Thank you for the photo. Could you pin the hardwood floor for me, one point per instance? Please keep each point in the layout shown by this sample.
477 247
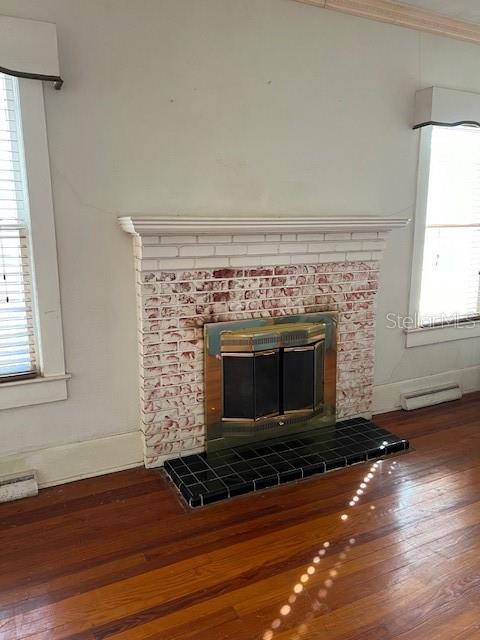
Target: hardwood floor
120 558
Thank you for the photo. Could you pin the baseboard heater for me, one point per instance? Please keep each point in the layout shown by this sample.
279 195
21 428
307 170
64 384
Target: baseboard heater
430 396
18 485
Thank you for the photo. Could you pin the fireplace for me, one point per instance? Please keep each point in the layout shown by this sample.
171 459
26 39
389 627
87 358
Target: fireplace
269 377
193 272
256 342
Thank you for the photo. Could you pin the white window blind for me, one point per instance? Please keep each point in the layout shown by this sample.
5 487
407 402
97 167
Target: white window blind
17 340
450 288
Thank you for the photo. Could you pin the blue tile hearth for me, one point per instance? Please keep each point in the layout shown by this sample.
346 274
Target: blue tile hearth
205 478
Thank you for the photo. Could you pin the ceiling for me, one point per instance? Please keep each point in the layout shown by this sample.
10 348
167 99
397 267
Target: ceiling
466 10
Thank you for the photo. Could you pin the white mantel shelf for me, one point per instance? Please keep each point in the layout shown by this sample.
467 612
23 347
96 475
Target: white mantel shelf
211 225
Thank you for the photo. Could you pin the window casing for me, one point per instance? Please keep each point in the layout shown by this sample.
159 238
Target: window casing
445 291
33 246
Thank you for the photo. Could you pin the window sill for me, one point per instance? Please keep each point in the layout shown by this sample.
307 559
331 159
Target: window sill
434 335
23 393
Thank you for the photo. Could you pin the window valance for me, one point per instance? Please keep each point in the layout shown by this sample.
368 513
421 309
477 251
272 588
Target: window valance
28 49
446 107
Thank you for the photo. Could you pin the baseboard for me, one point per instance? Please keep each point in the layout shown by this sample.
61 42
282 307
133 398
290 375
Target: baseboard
58 465
386 397
66 463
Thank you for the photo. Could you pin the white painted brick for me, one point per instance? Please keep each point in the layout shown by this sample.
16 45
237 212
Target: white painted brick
307 258
148 239
243 261
275 260
348 246
197 250
261 249
324 247
249 238
331 257
176 263
329 247
213 239
231 250
358 255
311 237
290 247
178 240
159 251
364 235
184 379
373 245
376 255
211 262
148 265
337 236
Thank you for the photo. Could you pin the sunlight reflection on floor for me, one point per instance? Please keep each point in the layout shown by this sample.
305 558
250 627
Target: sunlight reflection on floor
320 599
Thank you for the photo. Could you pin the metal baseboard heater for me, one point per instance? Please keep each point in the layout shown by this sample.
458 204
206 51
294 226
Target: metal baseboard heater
18 485
430 396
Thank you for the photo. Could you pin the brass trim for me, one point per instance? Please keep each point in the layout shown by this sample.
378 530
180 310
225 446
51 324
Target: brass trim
275 422
303 411
310 348
238 354
251 421
319 394
261 337
250 354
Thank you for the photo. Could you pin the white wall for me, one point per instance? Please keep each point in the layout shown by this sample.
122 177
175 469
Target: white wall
219 106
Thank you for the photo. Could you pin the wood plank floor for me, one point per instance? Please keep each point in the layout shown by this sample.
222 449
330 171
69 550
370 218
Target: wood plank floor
120 558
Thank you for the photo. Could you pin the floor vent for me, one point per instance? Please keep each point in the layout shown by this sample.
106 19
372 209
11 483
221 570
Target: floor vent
18 485
430 396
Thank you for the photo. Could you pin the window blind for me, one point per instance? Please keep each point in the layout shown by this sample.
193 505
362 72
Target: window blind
17 336
450 288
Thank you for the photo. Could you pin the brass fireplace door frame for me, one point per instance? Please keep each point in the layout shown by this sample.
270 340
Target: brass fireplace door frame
255 336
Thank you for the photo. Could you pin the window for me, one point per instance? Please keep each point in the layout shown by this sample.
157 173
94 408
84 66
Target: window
32 365
17 342
445 294
450 286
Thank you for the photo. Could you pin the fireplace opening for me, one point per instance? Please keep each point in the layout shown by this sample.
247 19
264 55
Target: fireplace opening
272 382
269 377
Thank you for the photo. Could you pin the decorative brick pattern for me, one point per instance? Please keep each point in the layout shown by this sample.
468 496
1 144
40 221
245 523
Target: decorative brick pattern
174 303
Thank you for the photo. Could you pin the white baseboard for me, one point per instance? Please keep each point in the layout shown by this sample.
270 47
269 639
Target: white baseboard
386 397
70 462
66 463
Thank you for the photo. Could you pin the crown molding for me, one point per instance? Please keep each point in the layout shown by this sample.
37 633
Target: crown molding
171 225
403 15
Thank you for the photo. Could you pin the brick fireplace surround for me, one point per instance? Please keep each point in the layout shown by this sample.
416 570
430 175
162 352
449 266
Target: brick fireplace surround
190 271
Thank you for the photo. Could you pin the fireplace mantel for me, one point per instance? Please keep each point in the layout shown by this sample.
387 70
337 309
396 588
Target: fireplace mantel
175 225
